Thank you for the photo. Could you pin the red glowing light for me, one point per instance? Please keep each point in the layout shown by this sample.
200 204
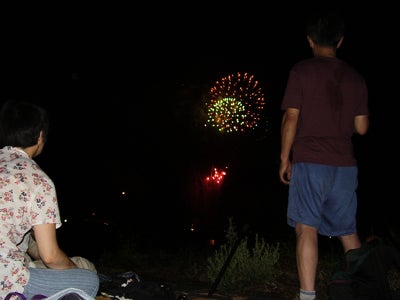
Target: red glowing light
216 176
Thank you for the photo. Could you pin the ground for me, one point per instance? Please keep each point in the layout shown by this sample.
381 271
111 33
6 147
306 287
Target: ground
184 272
191 285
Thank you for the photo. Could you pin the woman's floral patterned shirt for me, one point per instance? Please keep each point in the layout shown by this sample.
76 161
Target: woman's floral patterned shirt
27 197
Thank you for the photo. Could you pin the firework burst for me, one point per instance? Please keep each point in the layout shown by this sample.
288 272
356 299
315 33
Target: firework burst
235 103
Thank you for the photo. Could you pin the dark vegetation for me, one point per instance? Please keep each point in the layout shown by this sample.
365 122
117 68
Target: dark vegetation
190 263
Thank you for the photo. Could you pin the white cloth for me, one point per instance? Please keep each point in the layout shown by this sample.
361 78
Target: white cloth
82 294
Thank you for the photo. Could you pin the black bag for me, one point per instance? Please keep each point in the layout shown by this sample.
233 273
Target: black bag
129 285
365 275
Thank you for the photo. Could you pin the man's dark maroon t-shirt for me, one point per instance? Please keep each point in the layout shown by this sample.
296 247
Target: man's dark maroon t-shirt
329 93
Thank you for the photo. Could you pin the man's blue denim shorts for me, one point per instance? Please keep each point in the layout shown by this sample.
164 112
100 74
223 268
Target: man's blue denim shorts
323 197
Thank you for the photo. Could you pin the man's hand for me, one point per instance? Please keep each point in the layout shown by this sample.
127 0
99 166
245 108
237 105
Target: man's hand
285 171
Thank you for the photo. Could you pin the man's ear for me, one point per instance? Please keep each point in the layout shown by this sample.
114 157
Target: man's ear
310 42
340 42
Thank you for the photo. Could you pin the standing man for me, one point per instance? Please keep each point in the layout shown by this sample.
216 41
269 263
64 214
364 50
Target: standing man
324 104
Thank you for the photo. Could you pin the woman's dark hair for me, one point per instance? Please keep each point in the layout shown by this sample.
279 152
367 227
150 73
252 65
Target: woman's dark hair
326 29
21 123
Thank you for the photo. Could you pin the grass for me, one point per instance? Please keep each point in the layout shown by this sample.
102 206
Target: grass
192 268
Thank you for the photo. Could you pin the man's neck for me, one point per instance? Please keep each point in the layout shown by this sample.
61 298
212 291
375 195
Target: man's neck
328 52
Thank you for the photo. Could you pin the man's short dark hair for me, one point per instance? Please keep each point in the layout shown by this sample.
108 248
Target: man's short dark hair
326 28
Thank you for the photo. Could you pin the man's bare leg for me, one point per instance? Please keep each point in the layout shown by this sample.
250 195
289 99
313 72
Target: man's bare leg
306 255
349 242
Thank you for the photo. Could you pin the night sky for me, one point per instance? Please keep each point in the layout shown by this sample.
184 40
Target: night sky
132 121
